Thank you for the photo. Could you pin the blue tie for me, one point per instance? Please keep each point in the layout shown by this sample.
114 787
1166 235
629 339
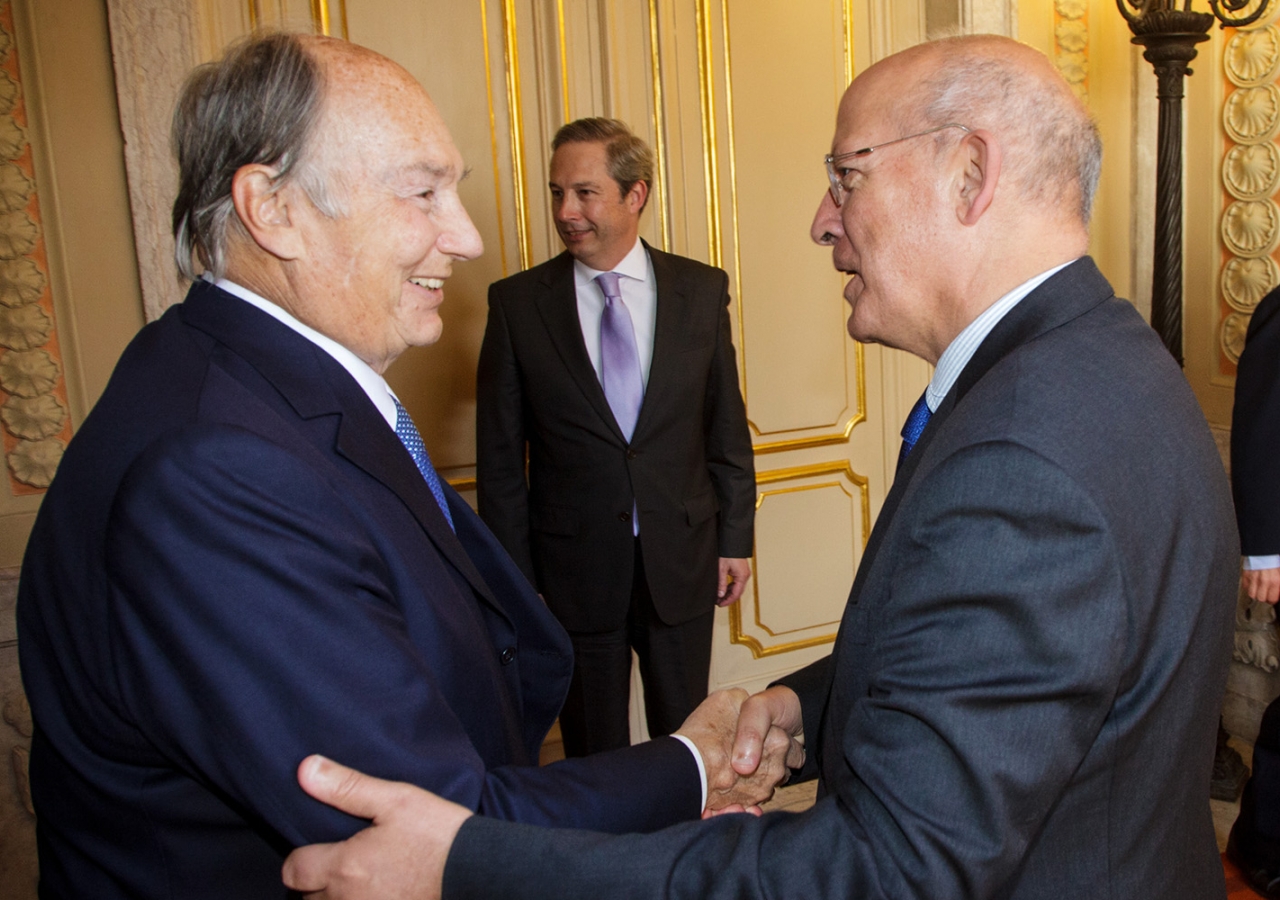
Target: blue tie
408 434
917 419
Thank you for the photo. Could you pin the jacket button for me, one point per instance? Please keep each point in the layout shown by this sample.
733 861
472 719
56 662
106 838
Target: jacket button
631 454
624 517
508 656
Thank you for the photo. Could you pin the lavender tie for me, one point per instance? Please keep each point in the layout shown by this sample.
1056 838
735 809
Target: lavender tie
619 360
408 434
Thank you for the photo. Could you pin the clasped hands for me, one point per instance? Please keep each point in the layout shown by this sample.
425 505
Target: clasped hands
747 744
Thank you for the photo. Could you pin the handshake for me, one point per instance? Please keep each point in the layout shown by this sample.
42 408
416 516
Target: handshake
747 743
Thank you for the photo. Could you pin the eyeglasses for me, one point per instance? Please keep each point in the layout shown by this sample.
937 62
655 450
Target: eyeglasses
839 188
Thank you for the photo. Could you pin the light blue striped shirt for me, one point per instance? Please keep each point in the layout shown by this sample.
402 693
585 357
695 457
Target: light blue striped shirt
961 350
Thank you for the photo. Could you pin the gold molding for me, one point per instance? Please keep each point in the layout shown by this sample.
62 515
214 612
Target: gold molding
659 133
774 476
564 63
710 152
515 118
462 484
493 137
848 42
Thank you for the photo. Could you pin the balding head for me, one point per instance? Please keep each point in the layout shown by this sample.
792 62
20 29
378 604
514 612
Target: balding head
961 168
1052 153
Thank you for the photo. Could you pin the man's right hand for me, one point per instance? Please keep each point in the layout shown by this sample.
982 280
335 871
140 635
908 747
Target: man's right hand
1262 585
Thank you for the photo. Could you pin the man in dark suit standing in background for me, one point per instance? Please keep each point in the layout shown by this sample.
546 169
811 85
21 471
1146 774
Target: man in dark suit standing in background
1022 699
611 369
1255 482
247 553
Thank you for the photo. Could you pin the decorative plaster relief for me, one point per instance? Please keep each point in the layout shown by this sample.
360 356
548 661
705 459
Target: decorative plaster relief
1252 58
1231 339
1246 281
1071 43
1252 114
33 405
1251 171
1251 227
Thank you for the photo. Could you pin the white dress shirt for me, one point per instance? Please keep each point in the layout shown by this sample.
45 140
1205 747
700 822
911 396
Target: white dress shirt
639 293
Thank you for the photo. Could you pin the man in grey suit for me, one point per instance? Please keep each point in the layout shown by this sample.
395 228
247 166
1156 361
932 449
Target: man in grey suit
610 368
1022 699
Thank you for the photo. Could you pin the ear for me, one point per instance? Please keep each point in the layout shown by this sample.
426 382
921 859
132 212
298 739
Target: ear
981 157
263 207
636 196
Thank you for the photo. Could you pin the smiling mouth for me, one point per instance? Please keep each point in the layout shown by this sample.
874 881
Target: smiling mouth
431 284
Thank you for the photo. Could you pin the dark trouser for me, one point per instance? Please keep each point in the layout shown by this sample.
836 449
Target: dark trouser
1257 830
675 661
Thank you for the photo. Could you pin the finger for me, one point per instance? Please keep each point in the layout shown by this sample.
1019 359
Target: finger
344 788
305 869
754 721
722 584
733 594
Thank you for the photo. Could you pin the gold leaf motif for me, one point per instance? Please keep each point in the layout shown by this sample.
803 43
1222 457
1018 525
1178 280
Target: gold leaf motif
1231 337
28 373
15 188
1072 36
1071 9
24 327
9 93
1252 114
18 235
33 418
1251 227
21 282
6 42
1251 171
1252 57
35 462
13 140
1246 281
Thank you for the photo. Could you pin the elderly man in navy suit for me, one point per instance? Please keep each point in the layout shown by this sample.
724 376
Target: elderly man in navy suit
247 554
1022 699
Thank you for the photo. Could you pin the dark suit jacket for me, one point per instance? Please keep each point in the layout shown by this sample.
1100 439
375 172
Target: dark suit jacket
1255 433
238 565
688 465
1022 699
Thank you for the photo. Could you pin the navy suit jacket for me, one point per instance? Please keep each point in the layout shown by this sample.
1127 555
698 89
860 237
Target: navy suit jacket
1022 699
1255 433
237 565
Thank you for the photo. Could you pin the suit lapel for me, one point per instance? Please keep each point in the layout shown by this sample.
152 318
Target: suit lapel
315 385
557 304
668 330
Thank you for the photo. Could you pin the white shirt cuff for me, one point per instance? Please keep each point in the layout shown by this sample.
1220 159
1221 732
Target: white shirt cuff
1251 563
702 769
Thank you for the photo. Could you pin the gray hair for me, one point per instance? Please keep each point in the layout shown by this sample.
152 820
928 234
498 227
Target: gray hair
1055 150
259 104
629 158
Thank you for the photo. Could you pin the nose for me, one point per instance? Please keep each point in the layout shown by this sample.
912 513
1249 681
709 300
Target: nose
460 239
827 227
564 208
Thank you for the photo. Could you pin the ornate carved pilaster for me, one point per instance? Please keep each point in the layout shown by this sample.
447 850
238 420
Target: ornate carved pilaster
154 46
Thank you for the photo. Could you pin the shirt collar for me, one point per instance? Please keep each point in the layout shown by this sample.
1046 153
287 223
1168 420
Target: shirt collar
373 384
634 265
966 343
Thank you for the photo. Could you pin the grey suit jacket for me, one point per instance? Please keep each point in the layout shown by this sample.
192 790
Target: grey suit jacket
688 466
1022 698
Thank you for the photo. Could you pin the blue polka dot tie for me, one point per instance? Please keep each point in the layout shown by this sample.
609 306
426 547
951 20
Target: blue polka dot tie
408 434
917 419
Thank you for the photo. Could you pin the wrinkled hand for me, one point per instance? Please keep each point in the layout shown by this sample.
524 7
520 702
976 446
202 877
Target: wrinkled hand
714 727
734 575
402 854
770 723
1262 585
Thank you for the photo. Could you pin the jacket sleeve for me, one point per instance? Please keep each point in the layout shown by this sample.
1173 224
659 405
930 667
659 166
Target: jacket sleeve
254 623
502 489
995 668
730 459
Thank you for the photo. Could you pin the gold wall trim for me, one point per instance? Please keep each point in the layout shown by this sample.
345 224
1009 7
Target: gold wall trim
493 137
511 57
659 132
775 476
848 41
564 63
710 155
462 484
